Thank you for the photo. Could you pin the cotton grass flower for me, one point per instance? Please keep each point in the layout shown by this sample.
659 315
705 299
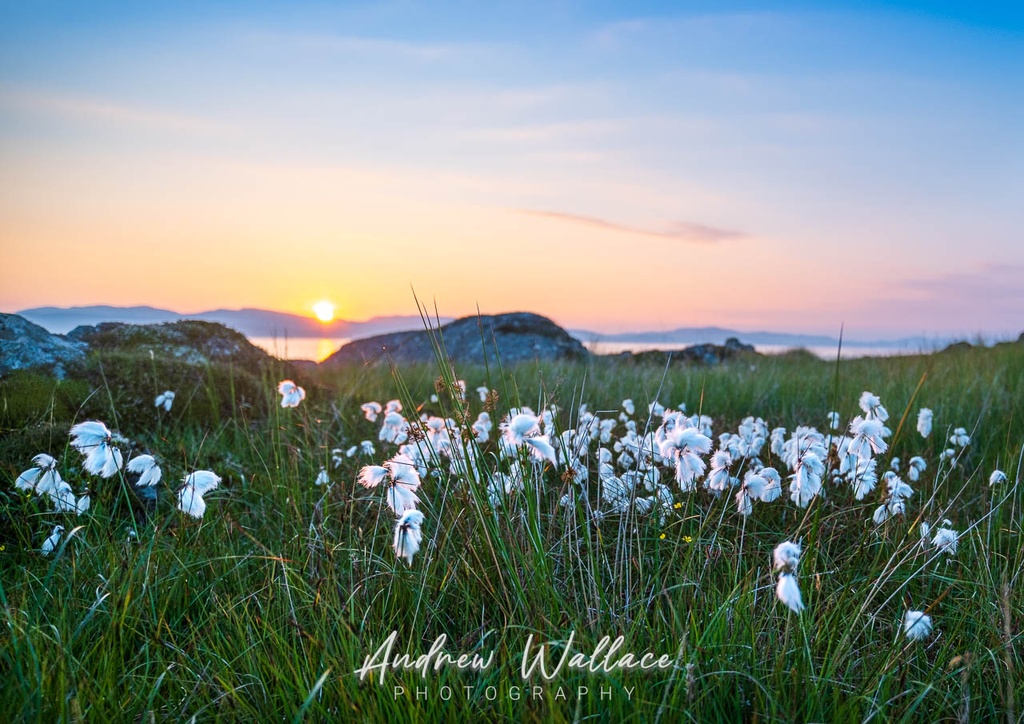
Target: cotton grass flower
924 422
833 420
788 592
51 543
872 407
322 478
146 468
165 399
864 478
684 446
42 478
291 393
395 428
946 540
998 477
786 556
805 482
95 441
895 503
960 438
915 467
197 484
63 498
405 481
408 535
719 478
482 427
522 429
917 625
867 437
371 410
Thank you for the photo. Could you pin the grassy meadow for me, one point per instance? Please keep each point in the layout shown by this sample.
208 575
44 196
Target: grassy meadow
264 608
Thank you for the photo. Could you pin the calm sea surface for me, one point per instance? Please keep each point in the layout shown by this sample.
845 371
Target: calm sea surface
315 349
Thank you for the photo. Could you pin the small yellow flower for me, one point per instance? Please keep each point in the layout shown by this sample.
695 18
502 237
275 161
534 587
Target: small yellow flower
677 506
662 536
687 539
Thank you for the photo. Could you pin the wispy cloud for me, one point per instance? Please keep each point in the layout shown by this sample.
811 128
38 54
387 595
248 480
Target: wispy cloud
986 298
677 230
996 285
97 109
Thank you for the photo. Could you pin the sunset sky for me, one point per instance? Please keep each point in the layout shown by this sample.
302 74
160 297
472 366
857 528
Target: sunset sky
786 166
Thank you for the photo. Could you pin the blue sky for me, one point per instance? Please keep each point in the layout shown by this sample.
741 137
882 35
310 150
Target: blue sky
795 166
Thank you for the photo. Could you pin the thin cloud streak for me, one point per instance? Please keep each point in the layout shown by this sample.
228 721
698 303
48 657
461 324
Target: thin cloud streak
677 230
94 109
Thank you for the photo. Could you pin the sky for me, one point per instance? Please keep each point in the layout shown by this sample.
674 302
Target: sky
797 166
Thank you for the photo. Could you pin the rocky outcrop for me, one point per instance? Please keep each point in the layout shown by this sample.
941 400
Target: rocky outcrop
24 345
189 341
514 337
708 354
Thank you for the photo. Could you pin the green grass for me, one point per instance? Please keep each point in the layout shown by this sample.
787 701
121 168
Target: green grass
265 608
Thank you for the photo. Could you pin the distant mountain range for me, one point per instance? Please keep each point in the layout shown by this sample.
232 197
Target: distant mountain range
250 322
718 335
281 325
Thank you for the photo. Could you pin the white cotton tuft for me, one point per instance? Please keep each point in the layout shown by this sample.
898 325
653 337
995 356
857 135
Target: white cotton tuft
872 407
89 434
370 476
401 499
148 471
371 410
917 625
408 535
51 542
43 478
165 399
291 393
788 592
197 484
924 422
540 448
103 460
946 540
786 556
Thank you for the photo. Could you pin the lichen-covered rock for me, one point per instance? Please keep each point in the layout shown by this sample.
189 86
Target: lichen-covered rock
24 345
189 341
708 354
215 372
513 337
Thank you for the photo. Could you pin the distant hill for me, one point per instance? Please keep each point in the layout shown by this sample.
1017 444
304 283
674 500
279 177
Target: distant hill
250 322
719 335
267 323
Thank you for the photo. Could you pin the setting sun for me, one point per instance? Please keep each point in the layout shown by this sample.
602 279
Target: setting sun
324 311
